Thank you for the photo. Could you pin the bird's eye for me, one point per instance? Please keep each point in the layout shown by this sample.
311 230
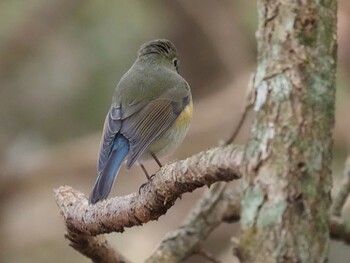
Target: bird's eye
176 64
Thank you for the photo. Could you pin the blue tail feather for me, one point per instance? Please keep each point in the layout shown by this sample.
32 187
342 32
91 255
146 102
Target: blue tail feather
107 177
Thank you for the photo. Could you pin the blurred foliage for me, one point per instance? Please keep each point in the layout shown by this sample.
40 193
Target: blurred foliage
60 61
63 87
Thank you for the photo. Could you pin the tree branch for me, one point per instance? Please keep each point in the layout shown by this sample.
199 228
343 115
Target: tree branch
169 183
286 202
96 248
209 257
221 203
343 193
339 230
249 102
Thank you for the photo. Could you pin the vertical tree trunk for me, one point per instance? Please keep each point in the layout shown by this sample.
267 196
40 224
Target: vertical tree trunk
288 179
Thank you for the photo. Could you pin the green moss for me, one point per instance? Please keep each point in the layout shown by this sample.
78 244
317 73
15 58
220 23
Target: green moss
271 215
252 200
325 31
308 186
307 37
322 220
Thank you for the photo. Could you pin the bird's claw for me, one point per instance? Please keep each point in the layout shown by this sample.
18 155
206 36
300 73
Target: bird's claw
144 184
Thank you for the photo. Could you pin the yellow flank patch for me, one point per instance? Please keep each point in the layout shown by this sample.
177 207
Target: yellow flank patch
185 116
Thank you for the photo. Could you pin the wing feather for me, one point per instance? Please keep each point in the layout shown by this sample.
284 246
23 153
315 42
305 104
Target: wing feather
142 121
147 125
111 127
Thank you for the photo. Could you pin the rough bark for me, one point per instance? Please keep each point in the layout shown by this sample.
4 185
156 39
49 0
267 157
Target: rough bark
97 248
343 192
338 227
221 203
84 222
288 174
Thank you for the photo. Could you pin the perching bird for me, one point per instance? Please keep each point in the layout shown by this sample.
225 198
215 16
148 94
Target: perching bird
149 117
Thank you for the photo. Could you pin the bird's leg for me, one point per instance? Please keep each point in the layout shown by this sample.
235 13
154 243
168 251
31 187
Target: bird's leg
147 175
145 171
156 159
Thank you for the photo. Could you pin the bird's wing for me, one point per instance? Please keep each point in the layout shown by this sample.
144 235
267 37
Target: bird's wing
143 127
111 127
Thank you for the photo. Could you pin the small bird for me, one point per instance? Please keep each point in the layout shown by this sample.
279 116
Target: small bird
149 117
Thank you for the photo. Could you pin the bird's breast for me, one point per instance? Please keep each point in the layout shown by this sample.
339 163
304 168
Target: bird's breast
185 116
174 135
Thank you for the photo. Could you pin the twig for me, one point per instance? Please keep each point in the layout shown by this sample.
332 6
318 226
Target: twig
172 180
96 248
221 202
208 256
343 192
249 102
338 229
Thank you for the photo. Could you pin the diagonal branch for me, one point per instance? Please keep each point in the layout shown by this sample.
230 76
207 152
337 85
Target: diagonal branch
343 192
221 203
96 248
249 102
339 229
170 182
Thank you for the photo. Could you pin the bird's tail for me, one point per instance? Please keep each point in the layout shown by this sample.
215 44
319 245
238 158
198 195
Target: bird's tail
107 177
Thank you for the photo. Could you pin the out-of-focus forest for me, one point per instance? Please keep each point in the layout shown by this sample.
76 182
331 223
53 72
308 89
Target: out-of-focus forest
59 64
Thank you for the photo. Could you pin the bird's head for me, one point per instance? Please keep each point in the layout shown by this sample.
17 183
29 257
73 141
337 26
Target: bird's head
161 51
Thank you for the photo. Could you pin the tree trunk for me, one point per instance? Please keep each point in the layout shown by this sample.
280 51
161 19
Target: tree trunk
289 154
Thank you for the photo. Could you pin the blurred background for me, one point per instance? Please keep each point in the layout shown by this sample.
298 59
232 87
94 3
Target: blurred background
59 64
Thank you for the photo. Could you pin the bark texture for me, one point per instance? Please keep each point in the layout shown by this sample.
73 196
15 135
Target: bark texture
288 174
221 203
154 199
97 248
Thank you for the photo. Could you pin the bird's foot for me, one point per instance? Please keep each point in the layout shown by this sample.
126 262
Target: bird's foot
144 184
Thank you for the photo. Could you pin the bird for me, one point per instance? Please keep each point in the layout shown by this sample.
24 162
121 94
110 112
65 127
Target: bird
149 117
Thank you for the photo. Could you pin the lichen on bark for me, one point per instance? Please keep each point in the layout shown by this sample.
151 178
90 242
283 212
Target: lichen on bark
288 172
